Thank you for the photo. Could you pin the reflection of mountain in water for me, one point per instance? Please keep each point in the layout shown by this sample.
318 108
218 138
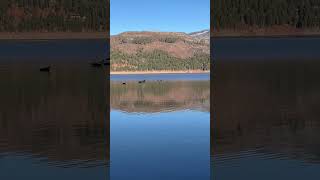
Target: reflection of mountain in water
58 116
157 96
269 107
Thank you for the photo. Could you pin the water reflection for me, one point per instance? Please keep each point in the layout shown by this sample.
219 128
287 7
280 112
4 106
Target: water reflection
160 96
266 119
159 128
54 125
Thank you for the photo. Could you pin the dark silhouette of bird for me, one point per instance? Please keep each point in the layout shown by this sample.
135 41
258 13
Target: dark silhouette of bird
124 83
143 81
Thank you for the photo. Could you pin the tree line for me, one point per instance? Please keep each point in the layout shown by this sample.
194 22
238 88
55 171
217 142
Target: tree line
54 15
241 14
157 60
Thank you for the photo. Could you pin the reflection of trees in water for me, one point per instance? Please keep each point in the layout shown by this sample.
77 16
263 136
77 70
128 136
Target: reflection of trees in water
272 105
140 94
156 96
59 116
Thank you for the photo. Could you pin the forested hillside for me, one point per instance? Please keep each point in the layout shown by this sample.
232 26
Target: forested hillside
54 15
163 51
157 60
246 14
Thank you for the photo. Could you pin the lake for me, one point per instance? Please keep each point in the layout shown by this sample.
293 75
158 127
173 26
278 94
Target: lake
53 124
264 120
160 128
265 109
32 51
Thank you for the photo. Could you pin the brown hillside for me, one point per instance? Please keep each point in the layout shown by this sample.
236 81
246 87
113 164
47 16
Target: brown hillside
180 45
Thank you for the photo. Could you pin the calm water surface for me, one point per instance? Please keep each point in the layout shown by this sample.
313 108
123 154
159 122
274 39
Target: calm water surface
265 121
160 129
158 77
53 125
265 48
52 50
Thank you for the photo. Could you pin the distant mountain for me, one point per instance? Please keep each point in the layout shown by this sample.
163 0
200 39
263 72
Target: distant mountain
159 51
204 34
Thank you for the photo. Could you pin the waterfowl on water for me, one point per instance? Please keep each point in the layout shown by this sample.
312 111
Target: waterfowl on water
45 69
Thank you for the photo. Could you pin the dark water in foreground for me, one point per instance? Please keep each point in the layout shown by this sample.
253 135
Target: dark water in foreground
265 121
160 129
53 125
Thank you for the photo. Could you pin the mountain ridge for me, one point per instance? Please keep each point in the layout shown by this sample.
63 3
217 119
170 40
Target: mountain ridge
149 50
203 34
177 44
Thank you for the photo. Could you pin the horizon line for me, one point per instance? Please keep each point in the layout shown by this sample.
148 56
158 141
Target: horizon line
158 31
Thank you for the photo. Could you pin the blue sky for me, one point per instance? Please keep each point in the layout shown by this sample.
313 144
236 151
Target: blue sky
159 15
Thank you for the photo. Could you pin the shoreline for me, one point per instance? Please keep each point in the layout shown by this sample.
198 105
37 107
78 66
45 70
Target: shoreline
156 72
52 35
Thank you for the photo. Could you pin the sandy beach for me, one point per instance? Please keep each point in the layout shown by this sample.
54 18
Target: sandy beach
158 72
